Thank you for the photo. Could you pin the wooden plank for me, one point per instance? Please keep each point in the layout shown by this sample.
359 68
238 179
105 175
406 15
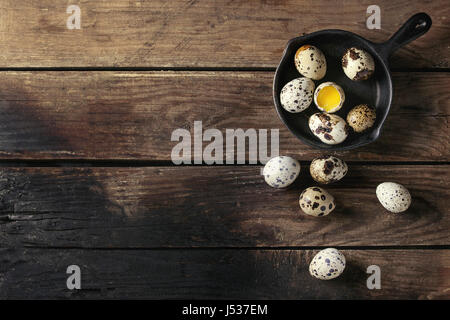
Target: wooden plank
121 115
214 207
200 33
220 274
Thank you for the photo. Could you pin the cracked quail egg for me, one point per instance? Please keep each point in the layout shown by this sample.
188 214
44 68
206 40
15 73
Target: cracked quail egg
327 264
361 117
310 62
393 196
297 95
329 128
358 64
281 171
315 201
329 97
328 169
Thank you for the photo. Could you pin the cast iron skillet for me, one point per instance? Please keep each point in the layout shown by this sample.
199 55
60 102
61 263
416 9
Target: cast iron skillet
376 91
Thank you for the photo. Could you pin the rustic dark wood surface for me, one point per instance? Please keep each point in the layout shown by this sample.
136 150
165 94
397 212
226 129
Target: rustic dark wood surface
86 176
213 207
189 33
131 115
221 274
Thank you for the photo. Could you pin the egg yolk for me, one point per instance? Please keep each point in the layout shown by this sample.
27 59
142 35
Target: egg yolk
328 98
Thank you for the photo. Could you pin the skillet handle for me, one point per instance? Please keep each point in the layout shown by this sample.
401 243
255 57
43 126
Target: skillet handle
415 27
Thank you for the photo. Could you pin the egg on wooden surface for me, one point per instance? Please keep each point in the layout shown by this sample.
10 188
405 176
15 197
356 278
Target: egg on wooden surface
329 128
393 196
328 169
361 117
297 95
329 97
281 171
327 264
310 62
358 64
317 202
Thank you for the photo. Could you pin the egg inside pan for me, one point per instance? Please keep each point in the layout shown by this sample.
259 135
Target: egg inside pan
356 92
329 97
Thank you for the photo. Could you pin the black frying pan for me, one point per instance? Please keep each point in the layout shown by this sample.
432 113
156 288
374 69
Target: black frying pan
376 91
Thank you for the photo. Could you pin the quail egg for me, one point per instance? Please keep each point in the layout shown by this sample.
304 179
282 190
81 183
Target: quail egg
297 95
281 171
315 201
328 169
329 128
361 117
327 264
329 97
393 196
310 62
358 64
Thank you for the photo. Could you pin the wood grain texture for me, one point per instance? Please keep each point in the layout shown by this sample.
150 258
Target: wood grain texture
201 232
123 115
201 33
214 207
220 274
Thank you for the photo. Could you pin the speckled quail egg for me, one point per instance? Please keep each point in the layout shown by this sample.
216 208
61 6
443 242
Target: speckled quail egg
329 97
310 62
329 128
328 169
297 95
358 64
315 201
361 117
327 264
393 196
281 171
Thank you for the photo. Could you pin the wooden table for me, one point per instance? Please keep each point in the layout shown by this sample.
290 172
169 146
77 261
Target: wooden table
87 177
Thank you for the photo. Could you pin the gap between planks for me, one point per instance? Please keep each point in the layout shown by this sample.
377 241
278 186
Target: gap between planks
183 69
255 248
36 163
